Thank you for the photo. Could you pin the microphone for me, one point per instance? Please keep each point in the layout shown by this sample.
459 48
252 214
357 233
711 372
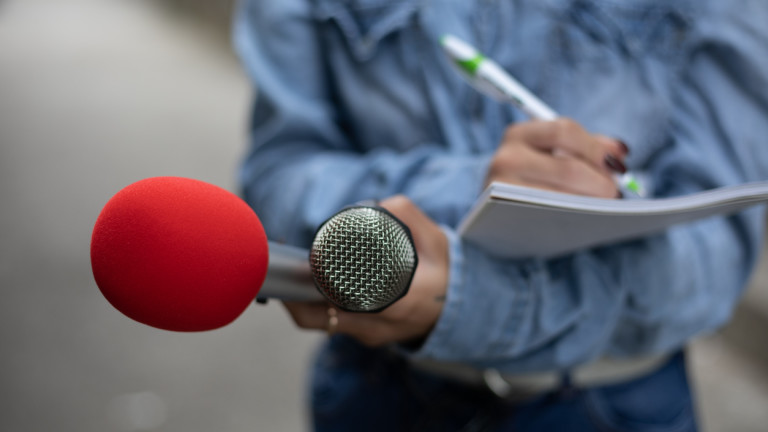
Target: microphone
289 276
184 255
363 259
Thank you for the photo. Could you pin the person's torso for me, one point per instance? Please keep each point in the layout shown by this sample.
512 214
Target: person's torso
607 64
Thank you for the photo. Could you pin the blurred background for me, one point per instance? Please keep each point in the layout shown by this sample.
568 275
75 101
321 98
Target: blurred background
97 94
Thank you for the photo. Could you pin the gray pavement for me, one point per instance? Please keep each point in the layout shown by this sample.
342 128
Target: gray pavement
96 94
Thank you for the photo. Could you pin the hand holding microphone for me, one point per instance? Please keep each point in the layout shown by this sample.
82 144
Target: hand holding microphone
411 317
184 255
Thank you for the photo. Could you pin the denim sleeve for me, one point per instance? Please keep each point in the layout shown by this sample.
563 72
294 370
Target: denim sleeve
646 296
303 166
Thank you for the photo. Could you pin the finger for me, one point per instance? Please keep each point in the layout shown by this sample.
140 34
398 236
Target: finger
614 146
309 316
372 329
565 136
409 214
616 151
427 236
402 208
528 167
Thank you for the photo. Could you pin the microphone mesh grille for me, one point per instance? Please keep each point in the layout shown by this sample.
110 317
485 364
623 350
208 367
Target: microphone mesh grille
363 259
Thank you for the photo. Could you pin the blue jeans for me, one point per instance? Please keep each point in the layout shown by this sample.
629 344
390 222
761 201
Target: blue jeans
361 389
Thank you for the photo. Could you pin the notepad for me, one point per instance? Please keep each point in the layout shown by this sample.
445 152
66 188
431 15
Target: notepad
516 222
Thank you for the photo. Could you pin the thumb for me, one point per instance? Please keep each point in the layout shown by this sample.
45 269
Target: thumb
428 238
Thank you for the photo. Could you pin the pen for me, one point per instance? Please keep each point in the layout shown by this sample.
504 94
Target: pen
486 76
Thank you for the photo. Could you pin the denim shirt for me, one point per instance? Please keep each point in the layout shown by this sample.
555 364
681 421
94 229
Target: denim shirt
355 100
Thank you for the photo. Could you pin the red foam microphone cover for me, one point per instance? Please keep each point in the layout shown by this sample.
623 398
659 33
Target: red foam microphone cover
179 254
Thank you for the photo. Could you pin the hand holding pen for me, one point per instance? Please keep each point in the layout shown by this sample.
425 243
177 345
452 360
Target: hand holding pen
524 145
558 155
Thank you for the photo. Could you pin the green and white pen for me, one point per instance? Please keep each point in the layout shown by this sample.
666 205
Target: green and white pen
489 78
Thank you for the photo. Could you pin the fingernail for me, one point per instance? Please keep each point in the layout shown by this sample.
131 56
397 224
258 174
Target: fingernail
623 146
614 164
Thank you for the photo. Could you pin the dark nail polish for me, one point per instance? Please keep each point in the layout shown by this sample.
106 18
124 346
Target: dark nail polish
614 164
623 147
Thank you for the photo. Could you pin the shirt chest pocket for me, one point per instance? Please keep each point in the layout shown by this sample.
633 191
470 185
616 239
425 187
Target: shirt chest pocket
364 23
373 49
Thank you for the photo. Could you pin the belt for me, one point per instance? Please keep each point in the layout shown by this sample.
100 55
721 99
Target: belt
604 371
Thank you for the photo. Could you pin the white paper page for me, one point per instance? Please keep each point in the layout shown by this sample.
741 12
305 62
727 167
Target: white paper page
514 221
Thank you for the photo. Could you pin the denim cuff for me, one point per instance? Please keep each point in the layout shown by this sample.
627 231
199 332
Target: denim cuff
485 309
439 338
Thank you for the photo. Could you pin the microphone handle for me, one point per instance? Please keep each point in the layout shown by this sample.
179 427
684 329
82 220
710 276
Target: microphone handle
289 276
